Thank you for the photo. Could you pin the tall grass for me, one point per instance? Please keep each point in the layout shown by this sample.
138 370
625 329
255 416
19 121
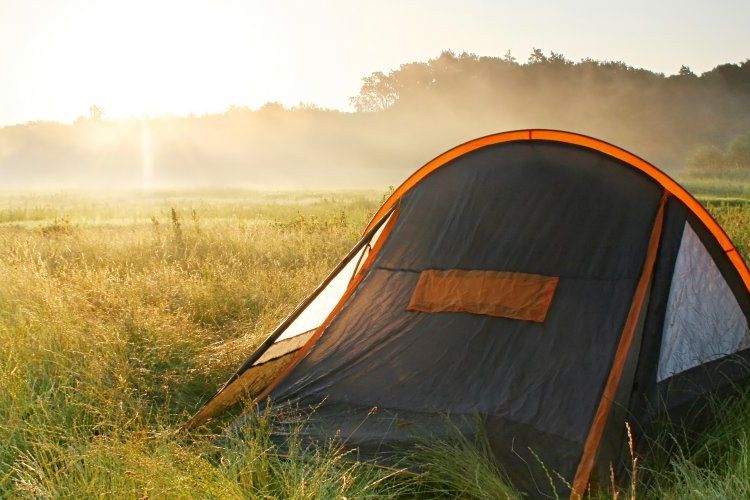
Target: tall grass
717 187
460 467
713 464
121 313
114 330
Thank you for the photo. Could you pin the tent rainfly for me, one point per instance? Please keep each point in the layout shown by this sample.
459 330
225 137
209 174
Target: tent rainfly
550 283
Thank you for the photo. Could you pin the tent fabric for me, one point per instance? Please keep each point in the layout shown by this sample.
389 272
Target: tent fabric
283 347
493 293
570 138
631 329
704 321
545 379
382 235
421 341
319 309
313 315
295 332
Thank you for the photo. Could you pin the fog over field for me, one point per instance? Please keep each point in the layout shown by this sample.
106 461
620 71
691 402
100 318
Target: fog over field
398 121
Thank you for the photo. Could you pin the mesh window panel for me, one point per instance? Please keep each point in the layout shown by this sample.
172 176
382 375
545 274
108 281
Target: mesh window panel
703 320
319 309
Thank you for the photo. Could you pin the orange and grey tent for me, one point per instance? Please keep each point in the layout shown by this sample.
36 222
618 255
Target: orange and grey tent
550 283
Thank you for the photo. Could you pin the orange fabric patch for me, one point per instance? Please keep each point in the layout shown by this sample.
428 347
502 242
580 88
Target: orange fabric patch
494 293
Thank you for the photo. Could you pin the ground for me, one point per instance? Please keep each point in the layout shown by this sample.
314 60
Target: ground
121 312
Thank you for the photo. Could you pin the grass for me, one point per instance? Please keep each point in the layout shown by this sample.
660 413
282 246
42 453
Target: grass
719 188
716 464
121 312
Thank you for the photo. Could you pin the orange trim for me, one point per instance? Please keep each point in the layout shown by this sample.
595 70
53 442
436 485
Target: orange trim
669 184
302 352
434 164
740 265
380 242
594 437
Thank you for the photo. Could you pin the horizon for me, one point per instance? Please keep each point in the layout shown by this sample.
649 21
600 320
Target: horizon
107 116
147 60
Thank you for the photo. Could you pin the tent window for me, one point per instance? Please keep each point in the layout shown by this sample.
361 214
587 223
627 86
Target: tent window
319 309
703 320
493 293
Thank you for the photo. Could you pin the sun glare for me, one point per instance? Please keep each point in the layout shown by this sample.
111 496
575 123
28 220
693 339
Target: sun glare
150 57
139 59
147 156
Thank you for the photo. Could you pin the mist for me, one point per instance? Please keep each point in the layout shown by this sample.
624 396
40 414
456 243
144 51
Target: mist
400 121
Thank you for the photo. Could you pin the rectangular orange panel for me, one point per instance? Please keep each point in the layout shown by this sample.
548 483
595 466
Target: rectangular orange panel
494 293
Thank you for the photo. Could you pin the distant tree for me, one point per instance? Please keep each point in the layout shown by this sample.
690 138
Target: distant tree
95 113
736 77
308 106
272 107
234 109
706 161
685 71
557 58
509 58
738 154
537 57
377 93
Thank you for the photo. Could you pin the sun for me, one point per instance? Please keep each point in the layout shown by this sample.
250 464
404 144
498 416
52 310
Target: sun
138 59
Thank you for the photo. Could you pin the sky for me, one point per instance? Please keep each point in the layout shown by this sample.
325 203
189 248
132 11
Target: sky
144 58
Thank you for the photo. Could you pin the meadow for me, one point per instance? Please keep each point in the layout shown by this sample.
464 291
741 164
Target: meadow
121 312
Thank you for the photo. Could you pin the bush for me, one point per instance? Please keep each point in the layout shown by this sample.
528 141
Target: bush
731 162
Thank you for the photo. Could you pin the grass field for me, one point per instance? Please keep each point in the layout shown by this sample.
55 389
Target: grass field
121 312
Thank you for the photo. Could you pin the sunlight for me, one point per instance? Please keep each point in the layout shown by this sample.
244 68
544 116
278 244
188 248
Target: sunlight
147 156
157 57
142 59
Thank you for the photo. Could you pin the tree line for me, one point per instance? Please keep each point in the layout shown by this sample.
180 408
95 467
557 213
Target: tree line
685 123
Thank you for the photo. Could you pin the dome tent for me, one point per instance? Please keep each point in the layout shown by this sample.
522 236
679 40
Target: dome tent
553 284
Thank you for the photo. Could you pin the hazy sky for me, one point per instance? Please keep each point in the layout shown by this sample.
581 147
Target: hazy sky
58 57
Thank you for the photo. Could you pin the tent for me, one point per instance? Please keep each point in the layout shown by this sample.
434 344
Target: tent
552 284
